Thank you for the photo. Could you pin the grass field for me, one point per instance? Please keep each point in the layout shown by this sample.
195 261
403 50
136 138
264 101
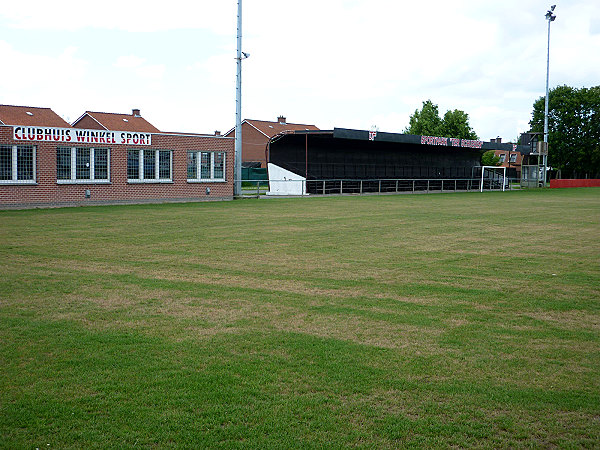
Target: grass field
442 320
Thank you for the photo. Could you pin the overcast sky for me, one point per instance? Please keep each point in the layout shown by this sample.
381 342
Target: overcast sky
331 63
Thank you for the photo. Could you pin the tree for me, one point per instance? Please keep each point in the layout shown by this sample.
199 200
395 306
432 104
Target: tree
427 122
490 159
456 124
573 129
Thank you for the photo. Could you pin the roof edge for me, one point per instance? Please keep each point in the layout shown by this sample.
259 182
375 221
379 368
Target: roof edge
87 113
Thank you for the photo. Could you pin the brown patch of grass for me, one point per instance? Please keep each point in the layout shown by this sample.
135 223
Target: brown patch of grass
568 319
361 330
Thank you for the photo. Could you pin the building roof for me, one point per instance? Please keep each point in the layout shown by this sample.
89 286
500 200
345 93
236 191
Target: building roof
120 122
270 129
424 141
31 116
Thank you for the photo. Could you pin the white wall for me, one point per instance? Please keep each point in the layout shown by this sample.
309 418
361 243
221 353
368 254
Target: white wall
284 182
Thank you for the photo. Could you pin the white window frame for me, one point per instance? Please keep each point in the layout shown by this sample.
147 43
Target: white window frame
512 158
156 178
15 166
92 179
502 157
212 178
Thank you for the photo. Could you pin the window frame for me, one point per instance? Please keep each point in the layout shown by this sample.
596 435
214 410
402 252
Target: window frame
14 164
502 157
157 166
74 169
513 158
199 166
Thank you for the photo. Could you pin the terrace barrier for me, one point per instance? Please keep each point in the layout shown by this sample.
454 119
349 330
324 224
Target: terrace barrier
257 188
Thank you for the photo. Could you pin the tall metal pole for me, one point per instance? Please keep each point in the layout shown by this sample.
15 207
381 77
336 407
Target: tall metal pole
550 17
547 85
237 171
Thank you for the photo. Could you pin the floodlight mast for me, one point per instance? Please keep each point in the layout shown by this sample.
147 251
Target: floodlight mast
550 17
237 169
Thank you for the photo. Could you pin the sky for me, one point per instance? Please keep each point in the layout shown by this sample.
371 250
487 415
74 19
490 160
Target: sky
362 64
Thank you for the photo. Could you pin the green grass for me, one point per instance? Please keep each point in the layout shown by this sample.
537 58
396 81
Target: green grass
442 320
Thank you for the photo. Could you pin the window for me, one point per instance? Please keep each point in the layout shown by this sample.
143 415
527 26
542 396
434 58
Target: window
513 157
17 164
133 165
206 166
192 165
219 166
101 164
63 163
82 165
149 166
502 157
164 164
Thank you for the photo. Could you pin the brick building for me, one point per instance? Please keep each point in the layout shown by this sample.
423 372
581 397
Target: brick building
257 133
106 158
512 159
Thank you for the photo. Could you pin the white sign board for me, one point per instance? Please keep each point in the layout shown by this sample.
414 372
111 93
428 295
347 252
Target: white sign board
80 136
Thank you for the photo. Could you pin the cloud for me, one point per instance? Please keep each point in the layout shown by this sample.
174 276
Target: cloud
150 75
23 85
131 15
129 62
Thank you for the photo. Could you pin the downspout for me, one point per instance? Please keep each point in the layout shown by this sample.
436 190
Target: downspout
268 152
306 157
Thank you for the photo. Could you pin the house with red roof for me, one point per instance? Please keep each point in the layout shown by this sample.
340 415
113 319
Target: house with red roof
30 116
111 121
256 135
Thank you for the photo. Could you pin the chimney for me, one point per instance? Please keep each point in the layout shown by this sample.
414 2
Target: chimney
217 133
281 120
499 140
135 113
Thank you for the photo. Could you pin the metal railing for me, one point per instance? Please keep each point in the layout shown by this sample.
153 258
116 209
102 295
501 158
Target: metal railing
257 188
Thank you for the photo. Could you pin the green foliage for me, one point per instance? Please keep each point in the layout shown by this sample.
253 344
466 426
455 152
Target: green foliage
427 122
456 124
573 129
489 159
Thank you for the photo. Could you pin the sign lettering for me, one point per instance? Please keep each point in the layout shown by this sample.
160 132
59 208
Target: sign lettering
454 142
80 136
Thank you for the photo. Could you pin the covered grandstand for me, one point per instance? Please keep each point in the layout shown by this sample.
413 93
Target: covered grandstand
373 157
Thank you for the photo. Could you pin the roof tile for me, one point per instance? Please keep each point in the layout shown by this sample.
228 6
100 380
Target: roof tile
273 128
120 122
31 116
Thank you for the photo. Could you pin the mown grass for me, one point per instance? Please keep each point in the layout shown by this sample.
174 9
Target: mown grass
412 320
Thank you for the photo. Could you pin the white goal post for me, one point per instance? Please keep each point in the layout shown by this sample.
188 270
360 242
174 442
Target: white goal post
496 168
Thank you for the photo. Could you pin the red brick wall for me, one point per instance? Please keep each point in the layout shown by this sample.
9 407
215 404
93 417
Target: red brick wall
254 144
47 192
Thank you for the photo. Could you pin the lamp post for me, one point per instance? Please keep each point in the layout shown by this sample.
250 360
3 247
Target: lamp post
550 17
237 168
